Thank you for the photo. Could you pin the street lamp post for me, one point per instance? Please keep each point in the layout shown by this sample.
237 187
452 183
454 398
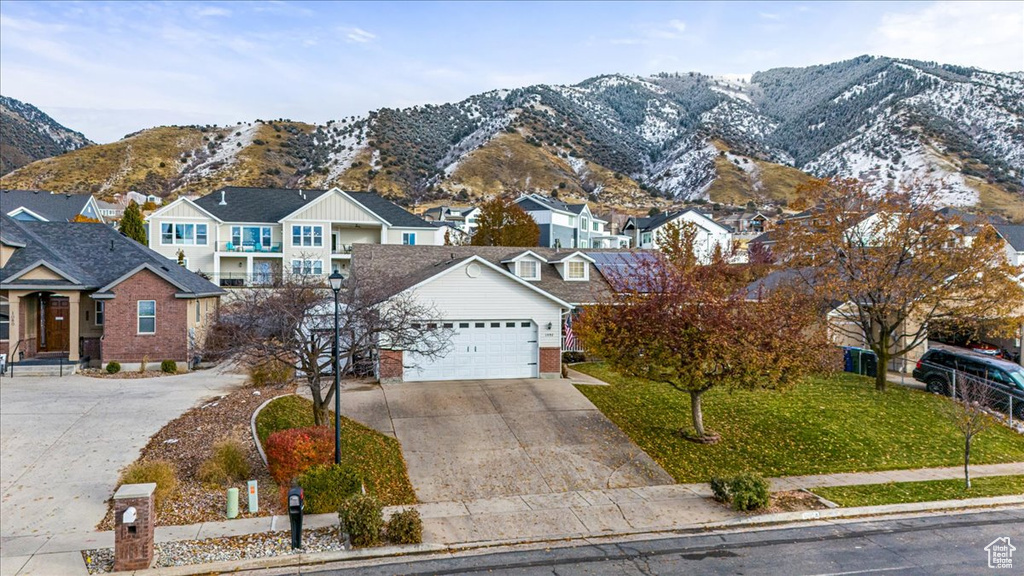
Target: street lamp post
336 279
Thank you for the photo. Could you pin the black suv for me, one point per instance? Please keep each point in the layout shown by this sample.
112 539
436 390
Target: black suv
935 368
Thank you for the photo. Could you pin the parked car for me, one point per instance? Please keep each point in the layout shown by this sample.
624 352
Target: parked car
936 368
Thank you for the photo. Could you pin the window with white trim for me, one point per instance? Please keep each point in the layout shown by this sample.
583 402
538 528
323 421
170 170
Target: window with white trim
147 316
197 311
409 238
646 238
5 319
307 267
250 236
584 223
596 227
307 235
575 270
172 234
99 313
529 270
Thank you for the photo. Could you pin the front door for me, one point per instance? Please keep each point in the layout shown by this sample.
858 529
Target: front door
55 324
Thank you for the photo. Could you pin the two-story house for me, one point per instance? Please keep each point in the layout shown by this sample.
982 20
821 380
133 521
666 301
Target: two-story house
565 225
1013 236
711 236
253 236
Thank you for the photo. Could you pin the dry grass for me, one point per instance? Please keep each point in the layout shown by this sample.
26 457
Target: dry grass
736 187
995 200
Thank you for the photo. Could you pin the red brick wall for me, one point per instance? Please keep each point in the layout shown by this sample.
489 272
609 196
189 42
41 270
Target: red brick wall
121 340
550 361
391 365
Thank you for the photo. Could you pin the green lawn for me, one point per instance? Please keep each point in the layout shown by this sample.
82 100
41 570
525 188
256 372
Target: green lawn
933 490
822 425
377 457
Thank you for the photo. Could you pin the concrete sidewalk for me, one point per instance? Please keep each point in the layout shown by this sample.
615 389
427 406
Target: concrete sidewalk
587 513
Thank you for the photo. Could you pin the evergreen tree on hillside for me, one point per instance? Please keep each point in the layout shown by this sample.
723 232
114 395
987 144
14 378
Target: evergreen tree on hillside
132 225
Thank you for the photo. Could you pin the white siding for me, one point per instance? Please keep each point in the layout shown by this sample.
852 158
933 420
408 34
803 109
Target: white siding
492 296
335 207
424 236
200 258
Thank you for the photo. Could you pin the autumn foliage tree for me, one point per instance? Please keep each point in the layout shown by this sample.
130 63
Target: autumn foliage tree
131 224
693 327
890 264
504 223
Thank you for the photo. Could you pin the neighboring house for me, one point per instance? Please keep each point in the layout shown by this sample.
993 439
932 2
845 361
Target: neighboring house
252 236
42 206
110 211
1013 236
451 233
140 199
568 225
464 218
711 236
506 306
83 291
747 224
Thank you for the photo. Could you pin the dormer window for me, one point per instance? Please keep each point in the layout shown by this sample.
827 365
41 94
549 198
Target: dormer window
529 269
575 270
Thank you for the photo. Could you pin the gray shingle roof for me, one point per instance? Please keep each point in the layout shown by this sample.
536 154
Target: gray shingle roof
393 268
556 204
94 255
53 207
272 204
1014 234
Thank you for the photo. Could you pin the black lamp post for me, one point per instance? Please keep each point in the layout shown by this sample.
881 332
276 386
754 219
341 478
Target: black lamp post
336 279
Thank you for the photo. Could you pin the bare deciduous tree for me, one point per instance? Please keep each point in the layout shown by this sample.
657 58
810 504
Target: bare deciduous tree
293 322
966 410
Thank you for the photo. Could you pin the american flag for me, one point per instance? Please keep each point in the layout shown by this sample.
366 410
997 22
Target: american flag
570 338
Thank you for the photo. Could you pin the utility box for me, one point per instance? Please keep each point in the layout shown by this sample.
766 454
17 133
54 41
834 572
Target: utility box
134 518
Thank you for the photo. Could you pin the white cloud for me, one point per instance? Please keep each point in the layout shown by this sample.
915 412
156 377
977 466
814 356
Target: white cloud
208 11
358 35
983 34
769 16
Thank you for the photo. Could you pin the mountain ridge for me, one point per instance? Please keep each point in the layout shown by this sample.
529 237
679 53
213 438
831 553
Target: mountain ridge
625 141
29 134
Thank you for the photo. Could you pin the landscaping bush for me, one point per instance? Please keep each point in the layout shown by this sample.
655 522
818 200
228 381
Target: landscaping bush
720 488
211 473
159 471
269 372
749 492
405 527
113 367
362 518
745 491
293 451
169 367
230 455
328 486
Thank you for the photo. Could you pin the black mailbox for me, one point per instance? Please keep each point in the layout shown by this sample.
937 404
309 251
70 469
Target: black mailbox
296 503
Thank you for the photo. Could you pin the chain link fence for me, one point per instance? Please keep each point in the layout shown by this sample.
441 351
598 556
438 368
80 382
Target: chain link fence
995 390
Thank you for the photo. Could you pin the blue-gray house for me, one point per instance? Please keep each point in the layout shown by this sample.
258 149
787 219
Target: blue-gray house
565 225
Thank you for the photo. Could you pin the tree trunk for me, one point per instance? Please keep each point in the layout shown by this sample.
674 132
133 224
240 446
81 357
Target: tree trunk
967 461
321 417
698 415
882 354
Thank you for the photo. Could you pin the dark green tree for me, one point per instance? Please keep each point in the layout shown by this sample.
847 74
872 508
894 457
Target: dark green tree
132 225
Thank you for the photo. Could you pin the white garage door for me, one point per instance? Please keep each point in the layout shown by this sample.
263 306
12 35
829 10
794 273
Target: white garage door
480 350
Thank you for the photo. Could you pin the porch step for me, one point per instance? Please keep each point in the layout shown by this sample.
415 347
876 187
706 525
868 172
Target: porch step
40 370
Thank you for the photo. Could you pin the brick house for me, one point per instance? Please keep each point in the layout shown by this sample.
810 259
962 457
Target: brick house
84 292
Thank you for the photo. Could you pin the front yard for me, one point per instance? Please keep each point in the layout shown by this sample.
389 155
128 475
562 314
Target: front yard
823 425
930 491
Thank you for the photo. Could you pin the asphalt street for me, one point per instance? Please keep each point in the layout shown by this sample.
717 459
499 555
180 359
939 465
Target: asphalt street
951 544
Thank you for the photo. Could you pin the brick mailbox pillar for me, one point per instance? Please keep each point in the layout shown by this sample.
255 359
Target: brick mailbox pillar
134 516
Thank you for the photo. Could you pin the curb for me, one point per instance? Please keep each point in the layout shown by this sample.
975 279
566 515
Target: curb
567 539
252 427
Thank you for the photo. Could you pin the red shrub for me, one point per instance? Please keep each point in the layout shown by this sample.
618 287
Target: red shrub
293 451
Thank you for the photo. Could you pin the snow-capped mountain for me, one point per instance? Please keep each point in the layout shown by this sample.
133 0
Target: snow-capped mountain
28 135
625 139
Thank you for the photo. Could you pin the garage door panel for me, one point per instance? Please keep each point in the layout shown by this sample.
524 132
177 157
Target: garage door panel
481 350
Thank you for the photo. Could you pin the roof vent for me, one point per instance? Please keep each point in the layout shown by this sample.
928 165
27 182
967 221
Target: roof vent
223 200
111 245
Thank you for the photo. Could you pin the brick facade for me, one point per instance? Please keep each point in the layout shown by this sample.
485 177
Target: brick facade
121 340
133 543
391 369
550 362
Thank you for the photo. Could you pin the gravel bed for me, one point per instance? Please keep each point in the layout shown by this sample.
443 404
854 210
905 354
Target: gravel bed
122 375
188 440
188 552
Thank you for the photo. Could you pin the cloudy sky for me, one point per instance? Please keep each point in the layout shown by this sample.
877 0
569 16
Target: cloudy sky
108 69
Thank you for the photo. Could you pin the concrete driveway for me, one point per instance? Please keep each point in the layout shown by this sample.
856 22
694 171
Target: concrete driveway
63 442
482 439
